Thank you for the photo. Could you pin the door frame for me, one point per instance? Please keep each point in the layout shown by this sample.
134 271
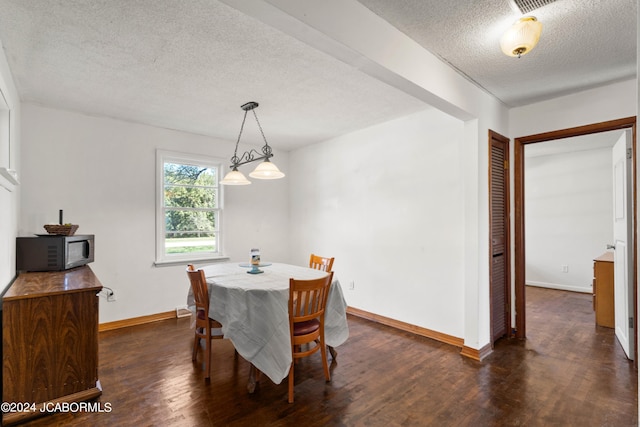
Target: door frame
519 220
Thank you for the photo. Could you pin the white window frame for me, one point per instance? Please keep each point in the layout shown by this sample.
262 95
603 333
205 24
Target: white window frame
8 173
162 157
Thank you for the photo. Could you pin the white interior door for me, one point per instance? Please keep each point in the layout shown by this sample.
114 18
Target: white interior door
623 244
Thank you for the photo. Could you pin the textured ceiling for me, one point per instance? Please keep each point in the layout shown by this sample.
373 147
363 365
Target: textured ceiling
584 43
190 64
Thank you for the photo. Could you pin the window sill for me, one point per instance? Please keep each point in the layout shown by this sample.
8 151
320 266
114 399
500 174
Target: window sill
169 263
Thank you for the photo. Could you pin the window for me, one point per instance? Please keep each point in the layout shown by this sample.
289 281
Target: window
8 175
189 208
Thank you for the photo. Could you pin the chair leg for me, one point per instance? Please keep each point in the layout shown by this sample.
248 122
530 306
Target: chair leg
207 362
291 383
325 365
296 349
196 344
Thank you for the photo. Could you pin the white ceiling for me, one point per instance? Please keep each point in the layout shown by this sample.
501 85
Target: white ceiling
584 43
190 64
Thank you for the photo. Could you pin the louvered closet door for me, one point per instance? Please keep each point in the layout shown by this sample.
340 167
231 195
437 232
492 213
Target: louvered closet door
499 231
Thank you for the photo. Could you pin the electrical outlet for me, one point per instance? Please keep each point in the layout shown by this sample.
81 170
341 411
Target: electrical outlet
565 268
107 293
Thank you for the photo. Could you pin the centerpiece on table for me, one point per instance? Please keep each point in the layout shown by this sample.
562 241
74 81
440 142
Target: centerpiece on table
255 263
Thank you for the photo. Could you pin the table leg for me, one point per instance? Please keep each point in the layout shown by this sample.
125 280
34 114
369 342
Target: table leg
334 353
254 378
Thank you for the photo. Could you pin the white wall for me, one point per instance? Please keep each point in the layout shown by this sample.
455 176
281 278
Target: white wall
102 173
569 216
388 203
605 103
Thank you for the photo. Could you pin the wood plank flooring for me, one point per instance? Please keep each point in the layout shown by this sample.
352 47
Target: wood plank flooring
567 373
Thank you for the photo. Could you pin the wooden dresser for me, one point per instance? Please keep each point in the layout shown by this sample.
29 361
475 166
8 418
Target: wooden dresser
603 290
50 339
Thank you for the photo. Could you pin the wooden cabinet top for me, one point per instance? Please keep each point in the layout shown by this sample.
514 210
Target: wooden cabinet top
606 257
46 283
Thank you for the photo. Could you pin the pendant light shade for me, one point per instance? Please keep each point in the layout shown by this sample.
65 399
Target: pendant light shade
266 170
235 177
521 37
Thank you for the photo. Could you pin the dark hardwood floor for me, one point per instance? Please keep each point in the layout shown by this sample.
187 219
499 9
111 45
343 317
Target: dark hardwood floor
567 373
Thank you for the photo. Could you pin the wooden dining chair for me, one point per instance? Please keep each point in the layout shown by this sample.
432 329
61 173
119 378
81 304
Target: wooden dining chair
206 328
307 302
321 263
325 264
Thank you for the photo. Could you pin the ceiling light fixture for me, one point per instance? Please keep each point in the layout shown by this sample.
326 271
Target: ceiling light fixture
265 170
521 37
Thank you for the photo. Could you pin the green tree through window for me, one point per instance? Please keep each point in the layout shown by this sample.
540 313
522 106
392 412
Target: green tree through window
190 211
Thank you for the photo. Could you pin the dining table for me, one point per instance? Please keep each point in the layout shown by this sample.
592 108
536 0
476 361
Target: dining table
252 306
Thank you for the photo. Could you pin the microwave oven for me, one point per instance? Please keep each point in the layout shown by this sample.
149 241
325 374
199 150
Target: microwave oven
53 252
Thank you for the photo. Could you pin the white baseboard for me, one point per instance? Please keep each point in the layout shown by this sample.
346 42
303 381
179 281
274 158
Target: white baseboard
585 290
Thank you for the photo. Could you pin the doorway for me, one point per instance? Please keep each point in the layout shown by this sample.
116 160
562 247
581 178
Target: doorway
519 220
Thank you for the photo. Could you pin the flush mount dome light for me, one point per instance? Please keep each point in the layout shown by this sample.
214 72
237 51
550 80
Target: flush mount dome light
521 37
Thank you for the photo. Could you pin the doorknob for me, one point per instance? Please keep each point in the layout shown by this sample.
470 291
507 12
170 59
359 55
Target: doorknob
611 247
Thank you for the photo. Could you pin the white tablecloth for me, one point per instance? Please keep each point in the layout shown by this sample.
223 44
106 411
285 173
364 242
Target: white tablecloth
254 312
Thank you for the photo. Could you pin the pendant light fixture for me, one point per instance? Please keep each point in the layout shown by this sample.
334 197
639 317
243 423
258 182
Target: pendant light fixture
265 170
521 37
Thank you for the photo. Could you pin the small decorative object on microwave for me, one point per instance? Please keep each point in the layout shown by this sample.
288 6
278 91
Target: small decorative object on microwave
61 229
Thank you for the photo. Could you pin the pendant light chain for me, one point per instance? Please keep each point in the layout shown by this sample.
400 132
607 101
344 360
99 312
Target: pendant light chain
266 150
235 158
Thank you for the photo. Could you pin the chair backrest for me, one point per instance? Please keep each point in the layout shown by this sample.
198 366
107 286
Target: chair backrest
199 288
321 263
308 298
